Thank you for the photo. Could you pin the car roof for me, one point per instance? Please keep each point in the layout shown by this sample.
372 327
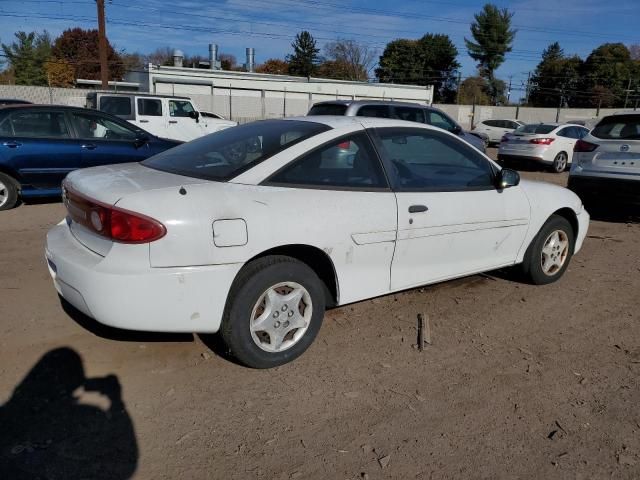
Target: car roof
338 121
137 94
349 103
44 106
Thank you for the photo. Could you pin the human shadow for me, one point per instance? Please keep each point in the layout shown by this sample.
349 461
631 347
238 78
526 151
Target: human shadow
58 424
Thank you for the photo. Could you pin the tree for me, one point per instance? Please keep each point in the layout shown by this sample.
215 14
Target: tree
493 37
607 73
351 60
78 47
274 66
132 61
59 73
431 60
304 59
474 90
228 61
162 56
556 76
27 56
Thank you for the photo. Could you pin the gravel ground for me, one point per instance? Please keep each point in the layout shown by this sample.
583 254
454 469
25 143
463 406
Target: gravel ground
519 381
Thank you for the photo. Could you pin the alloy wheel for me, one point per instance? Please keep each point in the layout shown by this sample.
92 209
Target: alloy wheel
555 251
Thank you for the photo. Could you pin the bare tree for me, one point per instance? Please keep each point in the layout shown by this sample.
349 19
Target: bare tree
355 60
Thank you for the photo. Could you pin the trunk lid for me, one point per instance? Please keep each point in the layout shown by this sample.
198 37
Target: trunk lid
107 185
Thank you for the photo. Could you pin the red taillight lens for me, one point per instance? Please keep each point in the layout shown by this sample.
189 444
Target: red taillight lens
582 146
542 141
115 223
344 145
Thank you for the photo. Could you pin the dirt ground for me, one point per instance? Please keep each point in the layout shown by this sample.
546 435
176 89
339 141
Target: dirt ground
520 381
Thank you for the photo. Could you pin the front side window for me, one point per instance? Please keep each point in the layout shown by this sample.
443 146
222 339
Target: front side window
180 108
39 125
225 154
410 114
120 106
432 161
150 107
89 126
380 111
346 163
439 120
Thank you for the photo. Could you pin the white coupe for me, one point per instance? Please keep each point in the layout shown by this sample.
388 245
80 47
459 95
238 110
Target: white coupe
253 231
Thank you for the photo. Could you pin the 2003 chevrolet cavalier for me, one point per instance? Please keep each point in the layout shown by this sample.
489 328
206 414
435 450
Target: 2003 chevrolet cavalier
255 230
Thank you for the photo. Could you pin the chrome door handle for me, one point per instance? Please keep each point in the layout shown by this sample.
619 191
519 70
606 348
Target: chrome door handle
173 121
12 144
144 121
88 146
418 208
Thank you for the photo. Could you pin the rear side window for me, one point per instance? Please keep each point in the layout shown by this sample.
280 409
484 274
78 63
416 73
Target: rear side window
618 127
437 119
39 125
151 107
328 109
225 154
409 113
120 106
537 128
346 163
380 111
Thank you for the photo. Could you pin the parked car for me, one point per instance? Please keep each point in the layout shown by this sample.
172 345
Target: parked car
40 144
412 112
606 163
549 144
165 116
13 101
255 245
495 129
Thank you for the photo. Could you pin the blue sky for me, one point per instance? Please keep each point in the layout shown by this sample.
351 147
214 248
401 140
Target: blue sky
269 26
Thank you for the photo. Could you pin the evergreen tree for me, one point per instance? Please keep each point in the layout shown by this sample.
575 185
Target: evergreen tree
556 79
27 56
493 37
305 58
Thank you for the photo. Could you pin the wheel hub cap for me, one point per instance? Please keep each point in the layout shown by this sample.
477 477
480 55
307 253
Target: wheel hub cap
281 316
554 252
4 194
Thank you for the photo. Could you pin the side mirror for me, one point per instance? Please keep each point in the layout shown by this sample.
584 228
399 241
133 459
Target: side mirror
507 178
140 140
456 130
195 115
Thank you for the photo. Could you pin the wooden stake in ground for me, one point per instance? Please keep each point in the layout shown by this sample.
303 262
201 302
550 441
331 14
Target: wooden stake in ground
424 331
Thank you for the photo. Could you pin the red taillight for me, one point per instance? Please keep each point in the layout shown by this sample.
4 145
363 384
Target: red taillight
582 146
542 141
114 223
344 145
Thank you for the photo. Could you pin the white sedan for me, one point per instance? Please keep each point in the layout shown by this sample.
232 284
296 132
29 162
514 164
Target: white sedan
550 144
253 231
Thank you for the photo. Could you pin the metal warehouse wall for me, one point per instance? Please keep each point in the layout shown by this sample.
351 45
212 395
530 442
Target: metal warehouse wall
248 105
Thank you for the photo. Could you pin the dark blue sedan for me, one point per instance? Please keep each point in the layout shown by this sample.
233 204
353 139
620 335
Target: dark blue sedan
41 144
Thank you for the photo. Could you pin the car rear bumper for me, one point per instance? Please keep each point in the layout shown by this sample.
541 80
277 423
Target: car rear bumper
185 299
524 158
605 189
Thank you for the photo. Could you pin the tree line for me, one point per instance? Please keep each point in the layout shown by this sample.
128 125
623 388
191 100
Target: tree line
608 77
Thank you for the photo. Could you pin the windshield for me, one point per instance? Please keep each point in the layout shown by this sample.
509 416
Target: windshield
618 127
328 109
225 154
538 128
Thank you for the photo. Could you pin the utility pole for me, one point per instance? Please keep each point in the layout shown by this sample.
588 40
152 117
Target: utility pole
458 88
628 90
509 90
102 45
526 98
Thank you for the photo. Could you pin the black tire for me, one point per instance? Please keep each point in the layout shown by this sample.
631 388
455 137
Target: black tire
248 288
560 163
8 192
533 259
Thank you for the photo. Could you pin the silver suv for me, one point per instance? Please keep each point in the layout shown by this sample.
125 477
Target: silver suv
412 112
606 162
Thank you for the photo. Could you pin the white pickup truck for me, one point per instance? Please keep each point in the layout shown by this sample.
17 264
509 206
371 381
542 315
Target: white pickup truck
164 116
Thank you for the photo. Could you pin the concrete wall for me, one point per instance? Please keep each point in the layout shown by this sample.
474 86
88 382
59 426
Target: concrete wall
245 105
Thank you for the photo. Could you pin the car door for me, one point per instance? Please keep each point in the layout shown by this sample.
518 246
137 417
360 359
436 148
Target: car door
38 145
182 122
566 138
452 221
342 184
105 140
150 115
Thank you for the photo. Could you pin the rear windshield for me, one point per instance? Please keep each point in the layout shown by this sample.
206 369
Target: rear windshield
539 128
328 109
225 154
618 127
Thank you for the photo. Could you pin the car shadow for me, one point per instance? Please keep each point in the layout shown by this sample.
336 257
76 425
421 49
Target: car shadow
60 424
614 213
111 333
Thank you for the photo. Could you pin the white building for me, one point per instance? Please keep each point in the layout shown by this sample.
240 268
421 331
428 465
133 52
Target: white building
245 96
